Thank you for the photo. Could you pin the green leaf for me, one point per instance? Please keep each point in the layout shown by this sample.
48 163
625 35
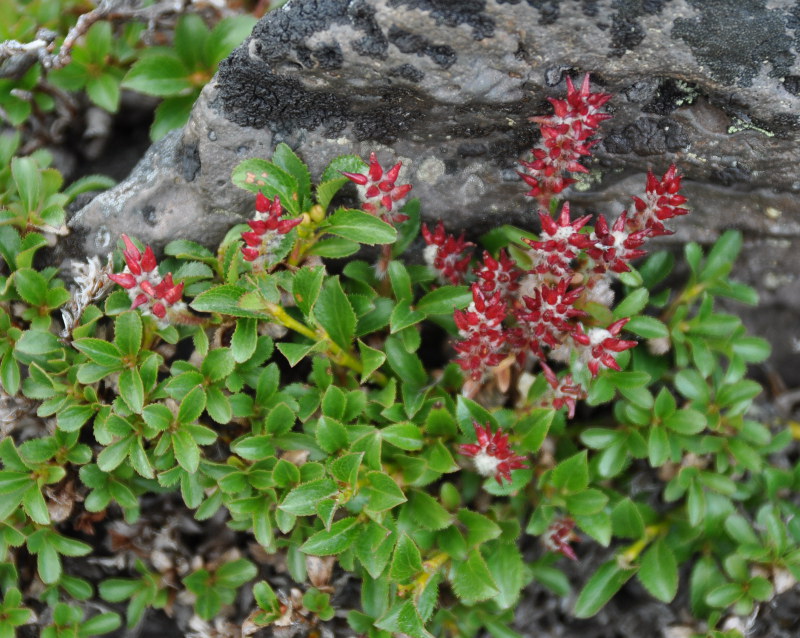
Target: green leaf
159 74
335 314
443 300
627 519
331 435
586 503
647 327
659 571
405 364
100 624
31 286
100 351
428 512
172 113
128 333
104 91
288 161
343 163
225 300
371 360
406 562
686 421
406 436
472 580
599 589
403 618
302 500
724 595
382 492
235 573
722 255
258 175
192 406
572 474
35 506
187 452
294 352
334 541
508 569
111 457
254 448
307 286
218 364
27 180
404 316
131 389
361 227
327 190
334 248
633 304
692 385
244 340
191 37
480 528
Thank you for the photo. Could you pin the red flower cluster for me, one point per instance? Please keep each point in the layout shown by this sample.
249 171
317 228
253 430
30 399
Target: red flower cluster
565 139
445 254
491 455
379 191
481 329
543 309
498 275
558 536
267 229
661 202
146 288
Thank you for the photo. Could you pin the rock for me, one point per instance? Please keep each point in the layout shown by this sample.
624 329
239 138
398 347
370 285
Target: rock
447 87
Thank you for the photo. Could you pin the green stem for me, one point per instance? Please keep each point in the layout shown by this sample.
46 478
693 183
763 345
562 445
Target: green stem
338 354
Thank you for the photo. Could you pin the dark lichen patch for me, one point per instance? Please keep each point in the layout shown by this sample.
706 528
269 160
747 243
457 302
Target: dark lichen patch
472 149
627 31
407 72
670 95
374 44
452 13
284 35
733 39
148 214
252 96
326 56
190 162
549 10
647 136
415 44
792 84
732 175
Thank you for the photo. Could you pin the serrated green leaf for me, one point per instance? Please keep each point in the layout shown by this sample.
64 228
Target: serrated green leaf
382 492
335 314
334 541
406 562
302 500
307 286
471 579
659 571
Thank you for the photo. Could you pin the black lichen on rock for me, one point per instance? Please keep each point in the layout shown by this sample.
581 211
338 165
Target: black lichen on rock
736 39
414 43
452 13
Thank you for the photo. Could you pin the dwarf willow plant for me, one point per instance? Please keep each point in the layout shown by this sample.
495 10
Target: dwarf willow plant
306 408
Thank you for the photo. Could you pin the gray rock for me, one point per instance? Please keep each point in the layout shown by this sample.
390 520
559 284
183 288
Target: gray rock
447 87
